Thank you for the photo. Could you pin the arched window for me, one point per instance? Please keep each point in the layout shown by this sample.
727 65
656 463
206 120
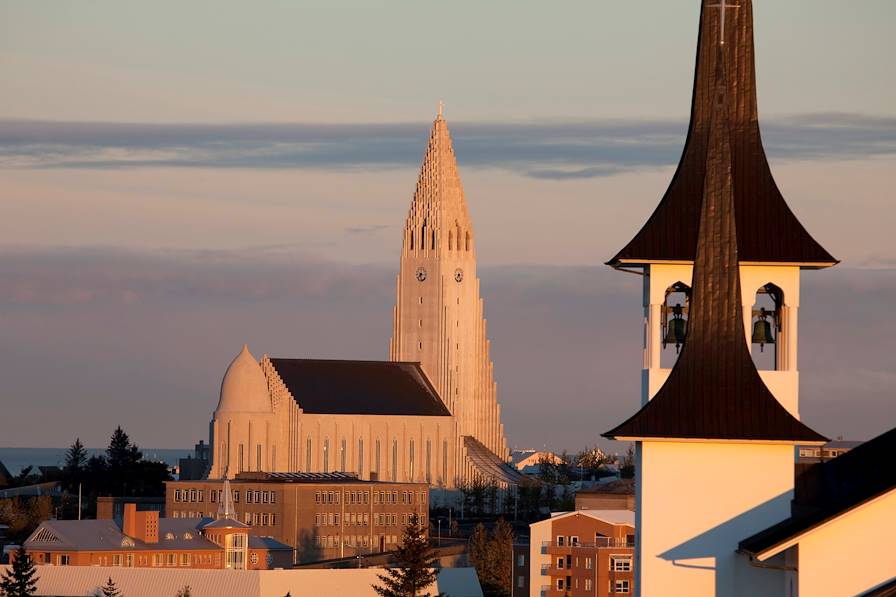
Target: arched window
433 240
467 242
765 327
450 240
674 322
411 234
423 236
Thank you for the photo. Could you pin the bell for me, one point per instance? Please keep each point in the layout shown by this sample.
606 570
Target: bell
676 329
762 331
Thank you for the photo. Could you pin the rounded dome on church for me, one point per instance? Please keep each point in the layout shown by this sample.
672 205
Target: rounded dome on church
244 388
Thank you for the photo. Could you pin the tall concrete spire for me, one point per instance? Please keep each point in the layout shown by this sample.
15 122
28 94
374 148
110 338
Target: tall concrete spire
438 317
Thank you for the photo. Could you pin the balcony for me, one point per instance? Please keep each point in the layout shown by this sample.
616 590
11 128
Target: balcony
551 547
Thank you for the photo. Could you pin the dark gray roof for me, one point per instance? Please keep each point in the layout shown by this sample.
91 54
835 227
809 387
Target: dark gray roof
841 484
714 390
105 535
767 230
488 464
360 387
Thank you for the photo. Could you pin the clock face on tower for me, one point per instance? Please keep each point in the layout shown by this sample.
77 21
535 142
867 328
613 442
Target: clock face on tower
458 275
421 274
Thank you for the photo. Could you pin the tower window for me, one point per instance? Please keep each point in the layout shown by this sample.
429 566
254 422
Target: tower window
674 322
467 245
766 328
450 240
433 240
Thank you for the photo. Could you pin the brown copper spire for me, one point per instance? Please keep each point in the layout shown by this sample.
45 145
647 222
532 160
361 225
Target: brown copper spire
767 230
714 391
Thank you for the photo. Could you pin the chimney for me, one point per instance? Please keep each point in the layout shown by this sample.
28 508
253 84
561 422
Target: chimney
143 526
129 524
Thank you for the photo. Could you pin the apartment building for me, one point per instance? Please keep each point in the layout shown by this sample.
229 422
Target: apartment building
581 553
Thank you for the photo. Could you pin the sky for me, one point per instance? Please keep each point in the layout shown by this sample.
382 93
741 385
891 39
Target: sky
179 178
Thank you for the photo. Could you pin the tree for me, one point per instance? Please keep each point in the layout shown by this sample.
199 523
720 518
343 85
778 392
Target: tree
627 470
491 553
414 571
109 589
76 457
20 581
121 453
187 592
591 459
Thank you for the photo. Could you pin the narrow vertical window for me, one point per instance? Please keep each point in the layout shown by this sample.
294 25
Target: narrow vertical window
411 460
444 461
308 455
240 468
342 454
258 457
360 458
394 460
376 467
326 456
429 461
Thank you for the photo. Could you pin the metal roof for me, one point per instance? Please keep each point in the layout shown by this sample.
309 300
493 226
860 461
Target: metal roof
714 390
360 387
767 231
105 535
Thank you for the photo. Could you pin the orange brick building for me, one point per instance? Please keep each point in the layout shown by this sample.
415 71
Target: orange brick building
581 553
144 540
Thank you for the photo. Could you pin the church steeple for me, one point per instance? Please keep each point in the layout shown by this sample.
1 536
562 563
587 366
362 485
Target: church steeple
438 318
767 231
714 391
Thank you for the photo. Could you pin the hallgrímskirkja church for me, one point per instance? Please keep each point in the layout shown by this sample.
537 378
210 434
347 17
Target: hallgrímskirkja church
429 414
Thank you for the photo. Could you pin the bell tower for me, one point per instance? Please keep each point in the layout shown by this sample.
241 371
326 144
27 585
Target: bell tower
721 258
438 317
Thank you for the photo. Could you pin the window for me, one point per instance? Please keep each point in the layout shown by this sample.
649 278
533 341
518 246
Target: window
308 454
560 584
589 563
360 458
342 455
171 559
257 497
621 586
253 557
273 519
240 452
411 460
116 559
620 563
258 457
574 540
177 493
377 467
273 497
561 540
587 584
444 460
560 562
326 456
429 461
394 460
521 560
156 559
184 559
520 582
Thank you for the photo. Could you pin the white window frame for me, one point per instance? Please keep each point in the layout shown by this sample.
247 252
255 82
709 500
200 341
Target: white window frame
622 586
621 563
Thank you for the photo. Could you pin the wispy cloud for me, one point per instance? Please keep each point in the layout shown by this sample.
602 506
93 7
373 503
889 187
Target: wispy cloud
549 150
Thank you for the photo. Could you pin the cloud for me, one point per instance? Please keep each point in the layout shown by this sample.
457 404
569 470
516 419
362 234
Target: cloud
362 230
93 338
547 149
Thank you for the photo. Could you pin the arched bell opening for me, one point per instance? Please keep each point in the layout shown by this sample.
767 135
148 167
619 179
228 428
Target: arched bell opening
765 327
674 322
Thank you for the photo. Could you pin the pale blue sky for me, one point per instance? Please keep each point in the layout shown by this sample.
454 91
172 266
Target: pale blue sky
135 259
366 61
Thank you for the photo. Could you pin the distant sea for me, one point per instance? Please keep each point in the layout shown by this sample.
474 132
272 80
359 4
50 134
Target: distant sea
15 459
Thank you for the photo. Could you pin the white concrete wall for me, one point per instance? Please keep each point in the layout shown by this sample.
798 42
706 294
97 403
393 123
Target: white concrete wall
149 582
852 554
538 534
696 501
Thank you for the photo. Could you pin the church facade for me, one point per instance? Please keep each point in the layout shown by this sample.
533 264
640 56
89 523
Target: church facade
429 414
721 258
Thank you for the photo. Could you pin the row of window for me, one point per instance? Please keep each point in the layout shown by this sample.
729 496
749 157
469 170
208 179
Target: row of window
617 563
323 519
617 587
260 519
333 541
362 497
190 514
345 466
251 496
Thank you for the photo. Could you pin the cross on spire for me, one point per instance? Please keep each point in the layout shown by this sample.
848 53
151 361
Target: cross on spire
722 5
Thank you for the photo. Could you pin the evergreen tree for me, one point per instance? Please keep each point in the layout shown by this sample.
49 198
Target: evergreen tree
20 581
414 571
110 590
121 453
492 556
76 457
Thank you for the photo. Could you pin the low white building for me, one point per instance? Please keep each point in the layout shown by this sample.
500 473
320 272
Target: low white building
78 581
